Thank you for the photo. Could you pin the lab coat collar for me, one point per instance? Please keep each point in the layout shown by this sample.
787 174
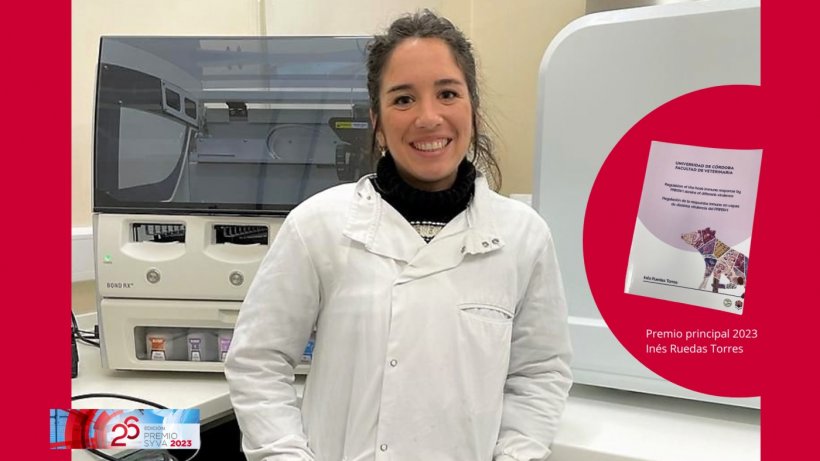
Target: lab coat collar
384 231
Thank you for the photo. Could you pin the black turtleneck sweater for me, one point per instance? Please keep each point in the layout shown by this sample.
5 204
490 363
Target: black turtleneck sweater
427 212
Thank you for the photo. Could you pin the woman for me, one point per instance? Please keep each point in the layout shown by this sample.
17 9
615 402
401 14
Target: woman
440 316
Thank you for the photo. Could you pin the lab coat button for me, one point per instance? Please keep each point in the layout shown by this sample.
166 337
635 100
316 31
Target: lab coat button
495 241
485 244
383 447
463 249
394 362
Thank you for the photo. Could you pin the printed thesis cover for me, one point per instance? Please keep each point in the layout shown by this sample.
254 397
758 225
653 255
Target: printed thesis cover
694 228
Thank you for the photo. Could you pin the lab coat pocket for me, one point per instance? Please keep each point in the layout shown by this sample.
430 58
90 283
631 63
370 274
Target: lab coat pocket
487 312
485 335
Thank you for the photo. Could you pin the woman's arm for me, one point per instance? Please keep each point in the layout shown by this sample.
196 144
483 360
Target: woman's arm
273 327
539 376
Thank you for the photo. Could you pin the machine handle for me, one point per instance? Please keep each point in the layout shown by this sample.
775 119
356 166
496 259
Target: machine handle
228 316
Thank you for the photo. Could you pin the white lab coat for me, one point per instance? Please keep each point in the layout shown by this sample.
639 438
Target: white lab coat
456 350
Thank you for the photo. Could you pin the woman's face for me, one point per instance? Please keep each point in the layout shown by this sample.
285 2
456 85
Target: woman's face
426 113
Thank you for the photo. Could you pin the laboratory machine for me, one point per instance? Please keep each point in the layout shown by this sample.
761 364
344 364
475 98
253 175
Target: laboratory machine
202 145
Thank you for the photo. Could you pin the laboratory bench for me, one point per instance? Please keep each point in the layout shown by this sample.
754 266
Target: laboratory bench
599 424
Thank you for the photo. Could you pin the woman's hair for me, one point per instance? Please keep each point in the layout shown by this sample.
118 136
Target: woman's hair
426 24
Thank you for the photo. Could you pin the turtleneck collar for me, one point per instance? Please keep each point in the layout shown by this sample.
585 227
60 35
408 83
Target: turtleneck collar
418 205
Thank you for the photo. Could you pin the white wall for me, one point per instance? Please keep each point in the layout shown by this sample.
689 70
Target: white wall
510 39
331 17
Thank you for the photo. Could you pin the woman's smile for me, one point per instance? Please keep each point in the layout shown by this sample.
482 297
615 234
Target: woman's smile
425 113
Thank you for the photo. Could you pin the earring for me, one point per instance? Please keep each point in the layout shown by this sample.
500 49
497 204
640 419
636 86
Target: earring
383 150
